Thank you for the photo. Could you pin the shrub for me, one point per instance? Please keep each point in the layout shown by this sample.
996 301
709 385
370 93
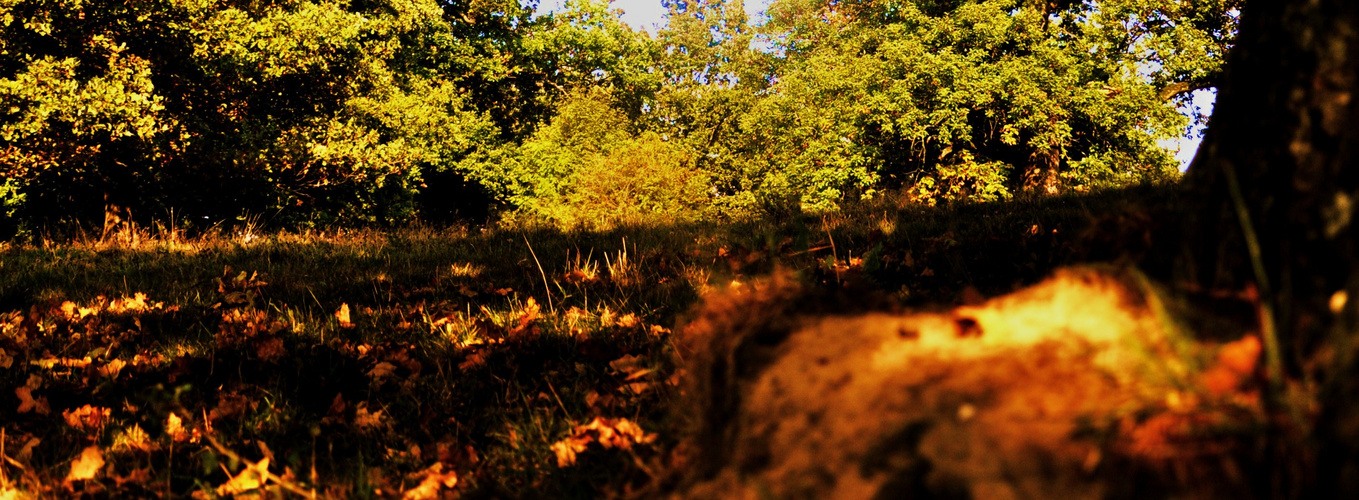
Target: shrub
644 181
588 169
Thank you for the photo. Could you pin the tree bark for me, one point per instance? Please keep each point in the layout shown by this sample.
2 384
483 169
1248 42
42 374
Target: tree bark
1285 126
1277 171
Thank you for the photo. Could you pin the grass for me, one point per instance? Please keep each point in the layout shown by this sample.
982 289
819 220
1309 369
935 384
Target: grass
419 362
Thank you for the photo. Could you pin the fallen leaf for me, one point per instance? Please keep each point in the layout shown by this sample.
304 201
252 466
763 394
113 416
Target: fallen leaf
140 476
27 402
638 388
474 359
231 405
87 465
89 419
574 315
26 451
631 366
610 433
1240 356
365 420
175 428
342 316
112 368
250 478
271 349
1236 362
381 370
435 480
567 449
133 438
68 308
337 405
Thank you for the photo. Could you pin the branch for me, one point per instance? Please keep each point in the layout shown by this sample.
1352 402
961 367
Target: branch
1178 88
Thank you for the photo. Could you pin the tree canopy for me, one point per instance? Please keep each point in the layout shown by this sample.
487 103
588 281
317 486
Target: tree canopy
348 111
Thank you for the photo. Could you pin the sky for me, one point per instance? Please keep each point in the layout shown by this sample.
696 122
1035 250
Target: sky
1185 148
650 15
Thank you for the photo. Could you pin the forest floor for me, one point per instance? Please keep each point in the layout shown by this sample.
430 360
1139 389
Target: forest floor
424 363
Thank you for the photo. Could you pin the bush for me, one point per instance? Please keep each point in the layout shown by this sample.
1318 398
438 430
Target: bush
644 181
588 169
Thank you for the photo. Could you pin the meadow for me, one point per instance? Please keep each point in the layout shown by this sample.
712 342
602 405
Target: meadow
504 362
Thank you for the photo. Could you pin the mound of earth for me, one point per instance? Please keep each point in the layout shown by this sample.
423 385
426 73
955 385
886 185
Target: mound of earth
1078 387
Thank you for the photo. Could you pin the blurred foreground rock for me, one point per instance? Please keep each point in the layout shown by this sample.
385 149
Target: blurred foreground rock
1077 387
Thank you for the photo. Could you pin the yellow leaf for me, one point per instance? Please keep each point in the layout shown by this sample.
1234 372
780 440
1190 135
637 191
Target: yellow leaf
250 478
607 317
112 368
567 449
342 316
87 465
133 438
175 428
435 480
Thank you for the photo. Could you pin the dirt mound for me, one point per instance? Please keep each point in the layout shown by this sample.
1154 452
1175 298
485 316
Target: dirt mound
1073 388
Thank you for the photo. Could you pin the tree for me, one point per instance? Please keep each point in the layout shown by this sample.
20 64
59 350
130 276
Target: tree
981 100
713 78
311 111
596 78
1272 197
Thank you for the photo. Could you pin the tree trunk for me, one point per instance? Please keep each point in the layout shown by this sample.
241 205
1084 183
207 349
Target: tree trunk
1285 128
1273 193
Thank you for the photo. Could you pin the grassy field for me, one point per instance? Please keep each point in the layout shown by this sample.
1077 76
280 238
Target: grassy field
422 363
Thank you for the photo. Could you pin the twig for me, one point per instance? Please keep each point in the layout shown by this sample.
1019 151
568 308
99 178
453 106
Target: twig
6 458
559 399
4 482
1268 326
813 249
834 254
547 289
